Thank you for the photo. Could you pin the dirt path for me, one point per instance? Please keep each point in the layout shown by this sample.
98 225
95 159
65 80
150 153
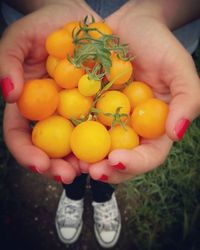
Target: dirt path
28 218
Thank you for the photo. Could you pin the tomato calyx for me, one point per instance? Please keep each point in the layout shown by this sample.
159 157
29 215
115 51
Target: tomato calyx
90 117
94 112
95 73
117 118
121 50
76 122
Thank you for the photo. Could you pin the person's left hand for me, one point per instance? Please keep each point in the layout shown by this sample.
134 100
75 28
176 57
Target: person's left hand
162 62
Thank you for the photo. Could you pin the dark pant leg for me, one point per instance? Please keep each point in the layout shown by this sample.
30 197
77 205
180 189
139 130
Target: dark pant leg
104 7
101 191
76 189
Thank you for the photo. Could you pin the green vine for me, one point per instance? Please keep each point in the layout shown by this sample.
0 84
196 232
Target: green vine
117 118
99 50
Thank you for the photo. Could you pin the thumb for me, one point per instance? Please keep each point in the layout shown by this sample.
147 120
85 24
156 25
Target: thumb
185 104
11 69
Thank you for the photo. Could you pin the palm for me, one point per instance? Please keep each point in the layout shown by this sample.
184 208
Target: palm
34 64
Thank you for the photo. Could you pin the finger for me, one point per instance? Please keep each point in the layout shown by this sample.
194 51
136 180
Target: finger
84 167
102 171
185 103
147 156
74 162
62 171
12 52
17 135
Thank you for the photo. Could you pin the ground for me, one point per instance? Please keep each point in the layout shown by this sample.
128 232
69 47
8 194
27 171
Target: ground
28 221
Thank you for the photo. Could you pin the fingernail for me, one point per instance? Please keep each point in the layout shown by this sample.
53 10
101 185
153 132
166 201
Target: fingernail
181 128
35 169
119 166
58 179
6 87
103 178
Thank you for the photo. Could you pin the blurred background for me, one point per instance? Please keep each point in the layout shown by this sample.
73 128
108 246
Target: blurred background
160 209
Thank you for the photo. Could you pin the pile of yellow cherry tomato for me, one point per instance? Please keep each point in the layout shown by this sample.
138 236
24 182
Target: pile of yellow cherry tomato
90 103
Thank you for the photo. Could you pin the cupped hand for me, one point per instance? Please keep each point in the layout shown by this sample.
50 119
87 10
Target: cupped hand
162 62
23 55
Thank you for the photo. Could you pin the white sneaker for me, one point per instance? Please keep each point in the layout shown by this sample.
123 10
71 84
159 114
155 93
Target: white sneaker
107 220
69 219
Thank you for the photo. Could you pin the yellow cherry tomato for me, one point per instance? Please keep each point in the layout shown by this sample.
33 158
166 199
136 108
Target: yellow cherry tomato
148 118
73 26
109 102
120 70
60 44
39 99
137 93
52 135
90 141
123 138
87 86
67 75
100 26
51 64
72 104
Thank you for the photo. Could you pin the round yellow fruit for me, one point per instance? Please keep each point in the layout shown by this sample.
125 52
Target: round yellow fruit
123 138
149 118
109 102
72 104
90 141
52 135
137 93
87 86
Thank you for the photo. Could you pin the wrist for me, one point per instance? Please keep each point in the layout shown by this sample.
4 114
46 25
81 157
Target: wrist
27 6
136 9
64 2
152 8
172 13
81 4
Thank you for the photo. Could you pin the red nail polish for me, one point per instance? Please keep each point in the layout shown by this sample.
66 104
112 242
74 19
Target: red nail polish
6 87
119 166
181 128
103 178
34 169
58 179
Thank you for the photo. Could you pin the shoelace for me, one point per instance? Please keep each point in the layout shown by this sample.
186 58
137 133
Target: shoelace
69 214
106 216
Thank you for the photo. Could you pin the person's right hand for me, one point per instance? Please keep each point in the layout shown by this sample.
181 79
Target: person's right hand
23 55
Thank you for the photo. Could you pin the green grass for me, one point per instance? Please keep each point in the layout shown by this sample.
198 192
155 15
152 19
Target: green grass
164 205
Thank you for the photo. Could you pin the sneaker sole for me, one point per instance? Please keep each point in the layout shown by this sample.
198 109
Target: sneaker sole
72 240
110 244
